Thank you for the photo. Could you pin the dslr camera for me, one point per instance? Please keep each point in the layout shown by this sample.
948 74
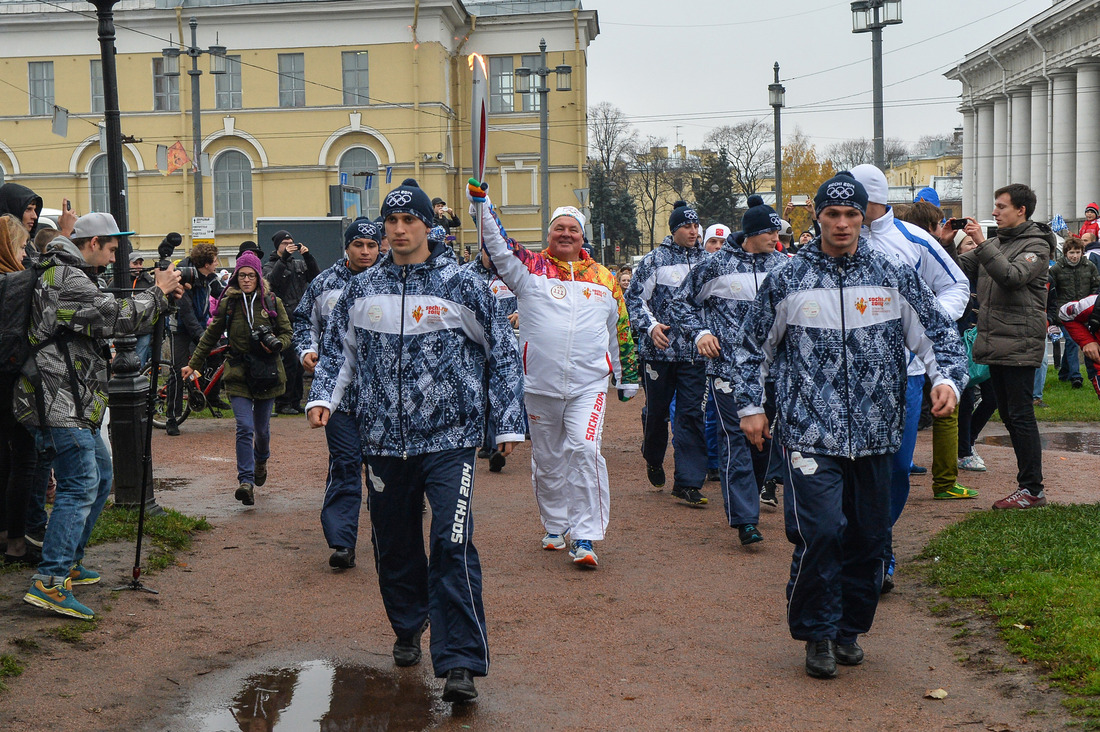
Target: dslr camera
188 275
262 335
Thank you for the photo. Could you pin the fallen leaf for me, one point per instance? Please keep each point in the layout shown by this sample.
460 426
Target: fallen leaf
1021 626
935 694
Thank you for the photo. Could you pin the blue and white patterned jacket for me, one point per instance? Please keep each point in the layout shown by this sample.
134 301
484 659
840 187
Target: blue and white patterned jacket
651 296
834 330
717 296
417 339
311 317
501 291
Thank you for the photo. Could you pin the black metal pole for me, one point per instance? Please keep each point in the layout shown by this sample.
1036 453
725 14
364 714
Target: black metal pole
196 113
777 109
127 389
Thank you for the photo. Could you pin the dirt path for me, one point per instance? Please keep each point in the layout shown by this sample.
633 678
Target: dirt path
678 628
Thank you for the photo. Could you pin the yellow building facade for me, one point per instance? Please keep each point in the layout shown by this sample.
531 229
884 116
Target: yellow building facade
315 89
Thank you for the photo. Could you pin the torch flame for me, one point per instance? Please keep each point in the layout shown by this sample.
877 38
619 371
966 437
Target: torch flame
480 61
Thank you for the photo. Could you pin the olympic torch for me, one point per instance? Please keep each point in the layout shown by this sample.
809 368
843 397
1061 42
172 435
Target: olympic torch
479 126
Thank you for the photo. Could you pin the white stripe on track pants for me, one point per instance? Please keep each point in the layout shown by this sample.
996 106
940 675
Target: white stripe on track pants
568 472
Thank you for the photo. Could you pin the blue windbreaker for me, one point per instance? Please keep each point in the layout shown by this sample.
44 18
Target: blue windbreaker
417 339
834 331
651 296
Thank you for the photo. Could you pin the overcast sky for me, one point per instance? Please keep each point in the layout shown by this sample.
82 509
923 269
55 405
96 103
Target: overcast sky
704 63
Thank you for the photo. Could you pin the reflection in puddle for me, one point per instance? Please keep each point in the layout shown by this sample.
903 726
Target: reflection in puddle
318 695
1072 441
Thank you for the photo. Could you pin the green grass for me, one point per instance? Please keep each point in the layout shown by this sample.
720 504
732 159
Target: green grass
9 666
1066 403
1035 574
73 632
165 534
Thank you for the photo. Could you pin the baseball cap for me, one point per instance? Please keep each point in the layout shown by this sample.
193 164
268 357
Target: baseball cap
97 224
135 256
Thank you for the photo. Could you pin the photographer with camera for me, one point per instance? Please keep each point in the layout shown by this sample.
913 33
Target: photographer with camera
289 278
259 332
189 323
64 398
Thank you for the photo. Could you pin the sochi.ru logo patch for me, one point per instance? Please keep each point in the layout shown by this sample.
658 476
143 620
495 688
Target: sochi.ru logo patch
587 293
723 386
418 313
861 306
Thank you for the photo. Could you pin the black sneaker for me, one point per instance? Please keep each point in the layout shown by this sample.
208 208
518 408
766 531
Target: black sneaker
821 659
172 429
342 558
656 475
713 476
849 654
407 652
1077 383
260 473
749 534
288 410
483 453
496 461
245 494
767 493
691 496
459 688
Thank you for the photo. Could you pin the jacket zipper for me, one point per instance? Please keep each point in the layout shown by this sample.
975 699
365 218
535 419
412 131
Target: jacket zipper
566 373
844 363
400 358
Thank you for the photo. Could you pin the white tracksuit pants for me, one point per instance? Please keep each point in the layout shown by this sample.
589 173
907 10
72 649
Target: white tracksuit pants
567 470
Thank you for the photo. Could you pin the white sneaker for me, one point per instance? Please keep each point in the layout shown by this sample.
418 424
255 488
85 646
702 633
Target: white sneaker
553 542
582 553
973 463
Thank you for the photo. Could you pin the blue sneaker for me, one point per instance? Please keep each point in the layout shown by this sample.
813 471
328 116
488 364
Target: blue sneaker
582 553
58 598
81 575
888 576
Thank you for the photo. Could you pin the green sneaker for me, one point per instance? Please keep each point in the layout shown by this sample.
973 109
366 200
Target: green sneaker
81 575
58 598
959 491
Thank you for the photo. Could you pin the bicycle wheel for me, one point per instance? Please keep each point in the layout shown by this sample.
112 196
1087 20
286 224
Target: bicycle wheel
160 403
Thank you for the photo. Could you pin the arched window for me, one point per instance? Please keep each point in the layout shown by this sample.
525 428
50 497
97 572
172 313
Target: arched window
232 192
97 183
355 162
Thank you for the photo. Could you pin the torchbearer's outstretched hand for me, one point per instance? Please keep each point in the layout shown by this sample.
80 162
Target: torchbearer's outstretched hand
476 192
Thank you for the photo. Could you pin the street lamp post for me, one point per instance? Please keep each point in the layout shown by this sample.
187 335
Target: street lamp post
172 68
127 388
871 16
523 86
776 98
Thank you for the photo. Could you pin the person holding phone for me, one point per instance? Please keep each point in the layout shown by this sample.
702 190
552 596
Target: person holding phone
289 278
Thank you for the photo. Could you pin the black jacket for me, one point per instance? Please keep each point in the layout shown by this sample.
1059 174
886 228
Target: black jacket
289 277
14 200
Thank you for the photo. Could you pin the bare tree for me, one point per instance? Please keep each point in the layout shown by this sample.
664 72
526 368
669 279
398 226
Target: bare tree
649 167
612 136
749 148
847 154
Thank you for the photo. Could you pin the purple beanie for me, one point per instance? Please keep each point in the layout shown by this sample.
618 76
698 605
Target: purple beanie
248 259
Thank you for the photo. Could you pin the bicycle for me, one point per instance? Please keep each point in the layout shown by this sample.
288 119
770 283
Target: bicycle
197 391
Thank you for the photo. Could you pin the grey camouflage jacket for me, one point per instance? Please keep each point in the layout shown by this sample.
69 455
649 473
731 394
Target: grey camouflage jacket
70 307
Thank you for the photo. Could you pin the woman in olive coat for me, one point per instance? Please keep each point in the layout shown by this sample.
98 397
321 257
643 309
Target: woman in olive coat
258 329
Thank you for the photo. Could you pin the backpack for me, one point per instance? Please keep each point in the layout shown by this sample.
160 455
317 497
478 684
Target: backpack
16 296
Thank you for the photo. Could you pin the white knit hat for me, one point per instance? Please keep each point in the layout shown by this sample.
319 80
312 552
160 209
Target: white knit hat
717 230
874 181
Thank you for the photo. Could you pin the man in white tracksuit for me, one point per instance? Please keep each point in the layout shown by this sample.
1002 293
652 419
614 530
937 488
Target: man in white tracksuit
573 334
917 248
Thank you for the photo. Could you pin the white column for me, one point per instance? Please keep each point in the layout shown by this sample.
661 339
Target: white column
1040 126
983 205
1064 145
1019 154
1088 137
1000 142
969 201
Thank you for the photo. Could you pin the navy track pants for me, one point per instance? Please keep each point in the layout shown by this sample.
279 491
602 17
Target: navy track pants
688 383
446 585
344 487
837 514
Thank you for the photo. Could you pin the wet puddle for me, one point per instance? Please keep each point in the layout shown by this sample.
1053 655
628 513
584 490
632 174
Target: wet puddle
321 695
1071 441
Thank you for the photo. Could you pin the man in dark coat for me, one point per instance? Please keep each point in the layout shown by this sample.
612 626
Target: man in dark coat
289 278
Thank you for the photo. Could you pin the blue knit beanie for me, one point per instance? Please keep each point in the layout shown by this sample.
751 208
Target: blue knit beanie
759 218
361 228
408 198
682 215
841 190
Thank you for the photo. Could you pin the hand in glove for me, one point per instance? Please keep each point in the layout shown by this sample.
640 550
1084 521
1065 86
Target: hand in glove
627 392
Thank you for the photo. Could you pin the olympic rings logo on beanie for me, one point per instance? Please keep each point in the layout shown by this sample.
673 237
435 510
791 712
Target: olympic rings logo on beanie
398 198
776 221
842 190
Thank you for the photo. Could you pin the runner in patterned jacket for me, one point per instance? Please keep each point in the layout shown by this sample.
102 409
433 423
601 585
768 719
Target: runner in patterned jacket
673 367
833 326
344 485
725 286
